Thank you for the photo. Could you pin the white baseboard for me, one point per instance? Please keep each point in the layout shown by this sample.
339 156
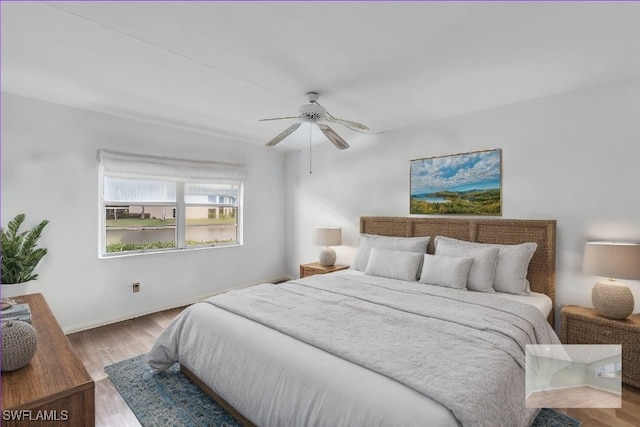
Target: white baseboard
604 389
572 386
149 310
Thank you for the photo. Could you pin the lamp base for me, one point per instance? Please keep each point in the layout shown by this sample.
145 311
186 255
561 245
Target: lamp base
612 299
328 257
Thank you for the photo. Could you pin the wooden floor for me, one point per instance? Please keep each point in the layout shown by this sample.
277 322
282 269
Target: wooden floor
574 397
627 416
105 345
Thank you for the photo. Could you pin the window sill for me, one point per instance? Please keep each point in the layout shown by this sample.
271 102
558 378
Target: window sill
112 255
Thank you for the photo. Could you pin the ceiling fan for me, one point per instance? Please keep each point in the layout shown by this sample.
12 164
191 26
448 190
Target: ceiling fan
316 113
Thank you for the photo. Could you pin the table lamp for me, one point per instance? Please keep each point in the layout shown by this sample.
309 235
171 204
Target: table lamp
614 260
327 236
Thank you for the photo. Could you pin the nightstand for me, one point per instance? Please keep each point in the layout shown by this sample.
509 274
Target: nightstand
582 325
307 270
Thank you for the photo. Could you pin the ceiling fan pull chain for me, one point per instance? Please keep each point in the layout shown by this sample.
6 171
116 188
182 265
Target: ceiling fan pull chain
310 130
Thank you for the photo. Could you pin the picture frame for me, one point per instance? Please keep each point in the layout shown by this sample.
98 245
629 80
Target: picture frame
459 184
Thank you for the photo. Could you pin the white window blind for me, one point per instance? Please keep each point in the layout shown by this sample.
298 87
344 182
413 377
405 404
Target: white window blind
113 163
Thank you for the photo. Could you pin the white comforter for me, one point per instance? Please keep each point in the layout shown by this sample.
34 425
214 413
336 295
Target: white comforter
378 352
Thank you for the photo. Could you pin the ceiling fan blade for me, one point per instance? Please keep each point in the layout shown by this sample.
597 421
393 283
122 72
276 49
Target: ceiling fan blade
340 143
282 135
279 118
359 127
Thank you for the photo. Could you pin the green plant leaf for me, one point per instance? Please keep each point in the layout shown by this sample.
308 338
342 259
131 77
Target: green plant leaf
20 256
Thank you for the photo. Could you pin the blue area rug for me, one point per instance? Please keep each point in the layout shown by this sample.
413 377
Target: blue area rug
165 399
552 418
171 399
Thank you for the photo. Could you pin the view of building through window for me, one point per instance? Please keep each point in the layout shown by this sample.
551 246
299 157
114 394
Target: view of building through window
146 215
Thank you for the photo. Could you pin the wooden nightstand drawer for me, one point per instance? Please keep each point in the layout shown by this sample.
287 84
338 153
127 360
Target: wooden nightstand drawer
585 332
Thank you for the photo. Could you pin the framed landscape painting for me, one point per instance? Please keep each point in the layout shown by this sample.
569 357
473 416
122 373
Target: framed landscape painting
462 184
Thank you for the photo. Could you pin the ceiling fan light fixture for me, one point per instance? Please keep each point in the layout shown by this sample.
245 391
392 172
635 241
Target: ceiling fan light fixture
314 112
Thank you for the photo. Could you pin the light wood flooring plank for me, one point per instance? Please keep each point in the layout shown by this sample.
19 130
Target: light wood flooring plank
111 409
574 397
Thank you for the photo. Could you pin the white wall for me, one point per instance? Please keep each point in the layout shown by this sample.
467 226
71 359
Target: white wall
49 172
571 157
543 373
605 383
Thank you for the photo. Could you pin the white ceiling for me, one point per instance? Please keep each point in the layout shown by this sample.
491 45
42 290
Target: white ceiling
219 67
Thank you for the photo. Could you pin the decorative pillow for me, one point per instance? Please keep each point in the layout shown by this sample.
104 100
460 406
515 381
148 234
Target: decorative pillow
484 261
445 271
370 241
394 264
511 266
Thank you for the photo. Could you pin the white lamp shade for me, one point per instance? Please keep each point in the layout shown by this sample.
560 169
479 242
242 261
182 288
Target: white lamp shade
613 260
327 236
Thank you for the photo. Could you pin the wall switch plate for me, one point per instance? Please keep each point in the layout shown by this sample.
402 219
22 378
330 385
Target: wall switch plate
136 287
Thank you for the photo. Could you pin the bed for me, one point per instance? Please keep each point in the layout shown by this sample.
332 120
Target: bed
357 348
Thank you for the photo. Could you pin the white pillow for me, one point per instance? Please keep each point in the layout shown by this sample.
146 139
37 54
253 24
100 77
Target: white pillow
484 261
511 265
394 264
370 241
445 271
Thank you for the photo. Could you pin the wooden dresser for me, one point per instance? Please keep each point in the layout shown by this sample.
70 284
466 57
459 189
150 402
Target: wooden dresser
54 388
581 325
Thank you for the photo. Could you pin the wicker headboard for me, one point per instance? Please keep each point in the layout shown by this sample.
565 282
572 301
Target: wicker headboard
542 268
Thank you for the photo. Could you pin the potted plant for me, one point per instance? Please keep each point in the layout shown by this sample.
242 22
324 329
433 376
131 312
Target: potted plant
20 256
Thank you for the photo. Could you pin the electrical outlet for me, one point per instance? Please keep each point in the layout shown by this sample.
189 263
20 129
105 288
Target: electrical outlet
136 287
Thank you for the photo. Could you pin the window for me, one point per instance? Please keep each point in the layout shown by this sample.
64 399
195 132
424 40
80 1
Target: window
211 213
151 204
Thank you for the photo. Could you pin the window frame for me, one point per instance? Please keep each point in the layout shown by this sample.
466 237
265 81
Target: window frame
181 173
181 213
